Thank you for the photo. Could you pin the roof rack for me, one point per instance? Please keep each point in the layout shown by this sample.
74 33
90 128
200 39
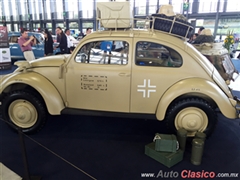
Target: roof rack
117 16
172 26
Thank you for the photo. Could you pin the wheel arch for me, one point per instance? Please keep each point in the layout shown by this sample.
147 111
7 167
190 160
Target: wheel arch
40 85
199 88
194 114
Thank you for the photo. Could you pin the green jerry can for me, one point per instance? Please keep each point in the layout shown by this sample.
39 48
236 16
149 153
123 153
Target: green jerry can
166 142
197 151
182 138
168 159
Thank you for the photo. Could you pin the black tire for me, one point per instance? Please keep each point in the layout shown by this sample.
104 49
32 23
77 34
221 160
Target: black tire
25 110
192 114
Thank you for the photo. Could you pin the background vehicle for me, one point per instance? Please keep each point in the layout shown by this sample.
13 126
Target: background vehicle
15 50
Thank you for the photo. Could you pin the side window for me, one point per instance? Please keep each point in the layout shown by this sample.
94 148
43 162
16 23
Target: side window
104 52
153 54
13 39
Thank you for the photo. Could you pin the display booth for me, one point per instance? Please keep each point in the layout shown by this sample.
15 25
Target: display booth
5 57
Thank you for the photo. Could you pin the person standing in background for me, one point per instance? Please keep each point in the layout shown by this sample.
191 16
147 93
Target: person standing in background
193 37
26 44
48 43
70 40
88 31
200 30
80 35
62 40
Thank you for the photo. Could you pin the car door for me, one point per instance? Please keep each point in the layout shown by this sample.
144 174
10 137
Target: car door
15 50
154 70
98 77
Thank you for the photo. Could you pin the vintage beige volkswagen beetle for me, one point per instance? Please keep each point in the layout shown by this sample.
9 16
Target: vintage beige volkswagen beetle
122 73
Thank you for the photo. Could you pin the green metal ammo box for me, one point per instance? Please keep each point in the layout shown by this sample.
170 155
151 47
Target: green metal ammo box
166 142
168 159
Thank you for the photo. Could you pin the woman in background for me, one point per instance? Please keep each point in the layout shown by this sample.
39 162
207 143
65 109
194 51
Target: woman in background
193 38
48 43
62 40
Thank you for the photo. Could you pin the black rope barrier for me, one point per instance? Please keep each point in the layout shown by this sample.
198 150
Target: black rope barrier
25 160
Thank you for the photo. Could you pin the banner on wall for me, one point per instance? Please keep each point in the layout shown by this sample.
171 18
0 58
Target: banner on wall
5 57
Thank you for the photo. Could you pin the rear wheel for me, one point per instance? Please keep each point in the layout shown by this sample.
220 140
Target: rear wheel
192 114
24 110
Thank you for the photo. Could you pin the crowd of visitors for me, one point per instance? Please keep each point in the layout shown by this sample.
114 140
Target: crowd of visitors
64 39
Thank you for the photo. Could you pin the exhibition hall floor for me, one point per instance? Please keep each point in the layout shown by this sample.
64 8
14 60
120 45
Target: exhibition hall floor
86 147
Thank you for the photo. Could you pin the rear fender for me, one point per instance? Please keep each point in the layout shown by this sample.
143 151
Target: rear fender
199 87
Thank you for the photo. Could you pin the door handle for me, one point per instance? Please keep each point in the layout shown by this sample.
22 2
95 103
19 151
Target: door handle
124 74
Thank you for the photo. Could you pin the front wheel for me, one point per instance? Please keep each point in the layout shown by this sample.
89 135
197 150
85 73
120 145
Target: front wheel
192 114
24 110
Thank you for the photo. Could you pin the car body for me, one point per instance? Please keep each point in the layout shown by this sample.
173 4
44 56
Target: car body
15 50
154 76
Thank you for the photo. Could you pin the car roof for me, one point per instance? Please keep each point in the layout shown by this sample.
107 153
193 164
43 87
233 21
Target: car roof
10 33
139 33
14 33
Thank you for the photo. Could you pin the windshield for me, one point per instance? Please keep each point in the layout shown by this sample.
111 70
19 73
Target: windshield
39 36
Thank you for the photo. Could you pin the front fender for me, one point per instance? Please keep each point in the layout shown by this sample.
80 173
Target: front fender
201 88
49 93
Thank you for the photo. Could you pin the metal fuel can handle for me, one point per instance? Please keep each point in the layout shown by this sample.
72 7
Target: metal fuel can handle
156 137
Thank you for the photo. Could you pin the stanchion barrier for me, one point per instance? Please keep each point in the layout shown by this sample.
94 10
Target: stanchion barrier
24 155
